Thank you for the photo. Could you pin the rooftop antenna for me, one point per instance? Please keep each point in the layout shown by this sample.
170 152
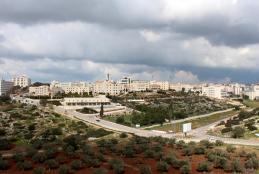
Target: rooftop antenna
108 77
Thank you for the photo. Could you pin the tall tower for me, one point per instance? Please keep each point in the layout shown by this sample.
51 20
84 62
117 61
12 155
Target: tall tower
108 77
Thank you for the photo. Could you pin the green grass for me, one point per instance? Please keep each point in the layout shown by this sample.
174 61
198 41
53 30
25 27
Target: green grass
127 118
252 103
196 123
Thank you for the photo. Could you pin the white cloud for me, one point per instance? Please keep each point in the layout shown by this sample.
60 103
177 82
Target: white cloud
150 36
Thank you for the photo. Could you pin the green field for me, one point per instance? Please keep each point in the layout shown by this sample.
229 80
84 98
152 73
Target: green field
196 123
252 103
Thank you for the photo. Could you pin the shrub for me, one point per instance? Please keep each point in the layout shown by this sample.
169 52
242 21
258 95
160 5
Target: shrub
4 164
188 151
204 167
117 165
220 162
162 166
149 153
226 130
251 127
180 144
199 150
123 135
128 152
18 157
170 159
100 171
236 166
39 157
26 165
252 163
145 169
30 152
76 164
230 148
5 144
185 169
219 143
64 169
238 132
39 170
52 164
206 143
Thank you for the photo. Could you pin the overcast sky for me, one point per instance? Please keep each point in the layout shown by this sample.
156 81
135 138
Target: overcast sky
175 40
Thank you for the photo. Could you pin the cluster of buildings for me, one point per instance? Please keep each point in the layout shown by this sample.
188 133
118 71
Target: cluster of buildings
126 84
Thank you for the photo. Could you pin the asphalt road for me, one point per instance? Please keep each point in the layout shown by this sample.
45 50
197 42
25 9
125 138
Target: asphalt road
197 134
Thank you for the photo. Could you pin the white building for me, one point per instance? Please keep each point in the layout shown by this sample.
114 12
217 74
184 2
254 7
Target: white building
5 86
86 101
108 87
186 87
138 85
237 88
159 85
252 92
214 91
22 81
72 87
43 90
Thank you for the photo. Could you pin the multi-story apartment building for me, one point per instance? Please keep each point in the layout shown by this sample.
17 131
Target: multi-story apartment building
22 81
186 87
214 91
159 85
43 90
139 85
72 87
5 86
252 92
108 87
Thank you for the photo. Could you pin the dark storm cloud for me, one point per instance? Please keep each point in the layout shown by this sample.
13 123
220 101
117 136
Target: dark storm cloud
235 26
136 36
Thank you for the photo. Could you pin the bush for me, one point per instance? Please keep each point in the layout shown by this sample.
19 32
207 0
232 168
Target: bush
204 167
252 163
30 152
206 143
162 166
220 162
149 153
219 143
76 164
128 152
4 164
123 135
5 144
185 169
100 171
199 150
145 169
64 169
18 157
187 151
52 164
39 170
117 165
26 165
251 127
230 148
39 157
226 130
238 132
236 166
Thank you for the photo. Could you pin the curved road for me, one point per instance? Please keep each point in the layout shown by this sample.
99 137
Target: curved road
198 134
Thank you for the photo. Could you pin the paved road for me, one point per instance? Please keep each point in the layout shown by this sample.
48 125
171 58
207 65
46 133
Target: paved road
198 135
